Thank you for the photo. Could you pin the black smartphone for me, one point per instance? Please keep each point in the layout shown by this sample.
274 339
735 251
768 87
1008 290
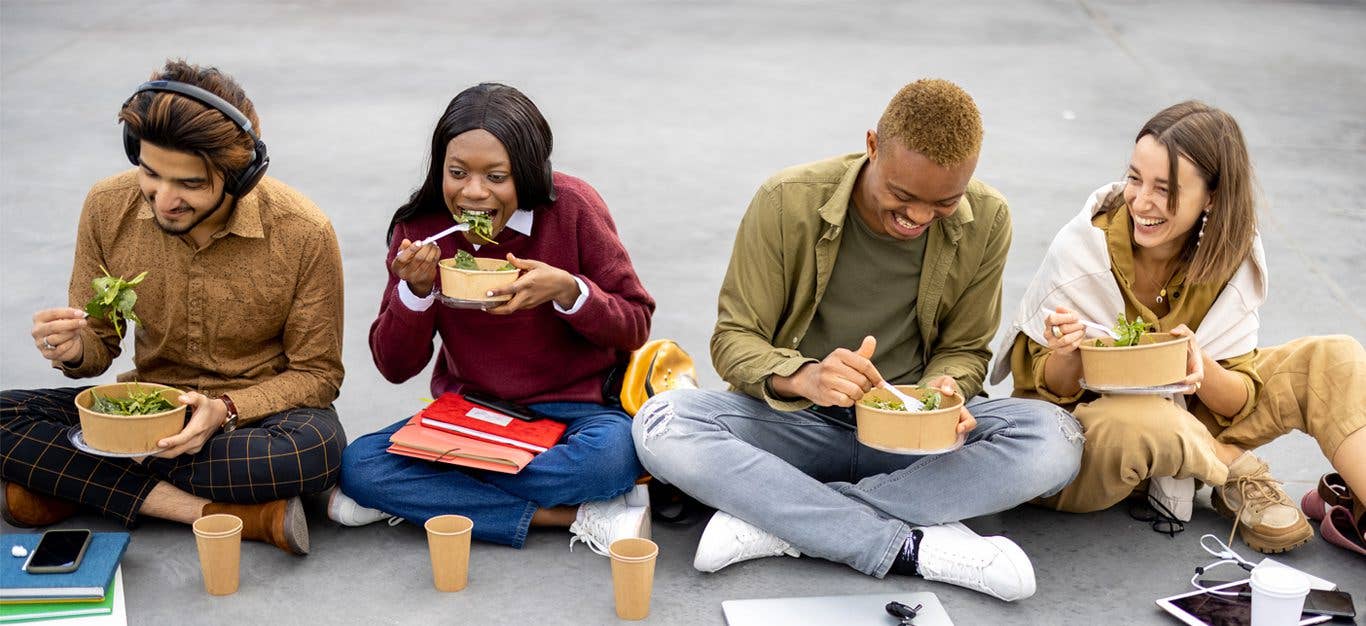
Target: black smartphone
511 409
1319 602
58 552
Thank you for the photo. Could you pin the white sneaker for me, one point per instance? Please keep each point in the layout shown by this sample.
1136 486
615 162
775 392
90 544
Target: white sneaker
728 540
953 554
599 523
347 512
1177 494
639 496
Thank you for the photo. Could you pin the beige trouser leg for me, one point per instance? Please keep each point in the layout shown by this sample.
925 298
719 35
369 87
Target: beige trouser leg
1316 385
1132 438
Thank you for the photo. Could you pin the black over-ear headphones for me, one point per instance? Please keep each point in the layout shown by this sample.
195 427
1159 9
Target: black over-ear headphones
236 184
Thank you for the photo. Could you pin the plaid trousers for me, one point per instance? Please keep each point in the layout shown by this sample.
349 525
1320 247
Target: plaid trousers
290 453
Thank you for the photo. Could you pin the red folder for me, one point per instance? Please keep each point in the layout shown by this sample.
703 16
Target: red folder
452 412
430 444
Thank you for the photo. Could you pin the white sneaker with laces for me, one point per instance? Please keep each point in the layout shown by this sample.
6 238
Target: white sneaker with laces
347 512
728 540
597 524
953 554
1177 494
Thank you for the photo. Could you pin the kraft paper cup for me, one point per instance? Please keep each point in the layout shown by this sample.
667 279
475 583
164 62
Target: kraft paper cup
448 540
1277 596
633 575
219 539
464 284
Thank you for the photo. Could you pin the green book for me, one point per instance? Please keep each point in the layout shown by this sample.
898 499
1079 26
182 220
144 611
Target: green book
15 613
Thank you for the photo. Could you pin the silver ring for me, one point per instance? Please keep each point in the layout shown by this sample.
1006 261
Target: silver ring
1057 332
46 345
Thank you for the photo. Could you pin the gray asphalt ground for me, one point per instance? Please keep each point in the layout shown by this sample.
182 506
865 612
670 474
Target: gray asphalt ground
676 111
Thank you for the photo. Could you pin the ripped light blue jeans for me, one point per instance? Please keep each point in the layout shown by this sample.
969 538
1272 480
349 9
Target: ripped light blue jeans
811 483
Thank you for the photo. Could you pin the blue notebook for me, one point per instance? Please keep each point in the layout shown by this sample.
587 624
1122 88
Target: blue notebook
90 581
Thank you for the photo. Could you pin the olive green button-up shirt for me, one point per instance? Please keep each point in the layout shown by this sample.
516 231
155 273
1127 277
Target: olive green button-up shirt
256 313
781 264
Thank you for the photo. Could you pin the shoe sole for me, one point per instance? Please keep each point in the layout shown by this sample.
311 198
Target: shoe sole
296 527
1285 541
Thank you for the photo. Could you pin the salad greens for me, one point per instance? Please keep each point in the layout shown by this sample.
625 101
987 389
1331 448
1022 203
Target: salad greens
114 300
1129 332
138 402
932 400
465 261
481 224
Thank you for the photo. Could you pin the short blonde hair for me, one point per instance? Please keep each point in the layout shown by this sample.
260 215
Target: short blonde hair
936 118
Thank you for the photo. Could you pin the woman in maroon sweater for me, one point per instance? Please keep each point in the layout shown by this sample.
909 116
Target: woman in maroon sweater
576 311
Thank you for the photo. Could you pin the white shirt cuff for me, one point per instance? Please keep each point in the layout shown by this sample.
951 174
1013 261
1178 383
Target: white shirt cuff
578 304
411 300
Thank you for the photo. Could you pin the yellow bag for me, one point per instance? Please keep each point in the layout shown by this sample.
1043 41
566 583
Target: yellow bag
658 366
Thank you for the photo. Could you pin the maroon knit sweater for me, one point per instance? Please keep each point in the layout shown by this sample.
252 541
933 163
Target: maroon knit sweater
533 355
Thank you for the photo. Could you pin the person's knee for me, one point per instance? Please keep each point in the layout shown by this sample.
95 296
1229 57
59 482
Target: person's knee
1338 348
319 436
1159 424
658 427
363 465
613 457
1054 457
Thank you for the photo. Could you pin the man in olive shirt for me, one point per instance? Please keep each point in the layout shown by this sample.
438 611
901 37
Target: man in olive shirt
846 272
241 308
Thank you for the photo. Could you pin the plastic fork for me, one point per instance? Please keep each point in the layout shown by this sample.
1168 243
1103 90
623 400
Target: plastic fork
1104 329
454 229
911 403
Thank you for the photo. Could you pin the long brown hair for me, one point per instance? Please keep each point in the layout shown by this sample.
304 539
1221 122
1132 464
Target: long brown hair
1212 141
178 123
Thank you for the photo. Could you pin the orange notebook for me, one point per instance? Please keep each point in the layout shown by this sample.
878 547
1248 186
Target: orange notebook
430 444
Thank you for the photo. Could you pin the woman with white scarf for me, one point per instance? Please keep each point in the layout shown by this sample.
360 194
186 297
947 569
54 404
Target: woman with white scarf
1176 244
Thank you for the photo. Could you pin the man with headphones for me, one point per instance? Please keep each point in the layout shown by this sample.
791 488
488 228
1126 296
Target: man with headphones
241 308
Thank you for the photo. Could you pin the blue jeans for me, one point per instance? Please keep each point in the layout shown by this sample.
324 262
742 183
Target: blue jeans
595 460
812 484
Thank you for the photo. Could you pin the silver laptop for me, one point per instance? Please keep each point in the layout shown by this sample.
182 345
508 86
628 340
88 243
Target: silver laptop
825 610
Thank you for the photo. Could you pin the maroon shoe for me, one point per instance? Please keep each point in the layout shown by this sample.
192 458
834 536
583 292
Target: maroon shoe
24 508
1345 528
1331 491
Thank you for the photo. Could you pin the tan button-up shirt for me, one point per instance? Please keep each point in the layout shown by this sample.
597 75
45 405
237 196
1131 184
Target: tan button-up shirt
256 313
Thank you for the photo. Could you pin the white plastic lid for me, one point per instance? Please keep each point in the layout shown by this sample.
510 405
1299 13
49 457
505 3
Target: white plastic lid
1280 581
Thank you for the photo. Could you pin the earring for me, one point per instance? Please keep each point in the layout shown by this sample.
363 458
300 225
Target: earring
1201 235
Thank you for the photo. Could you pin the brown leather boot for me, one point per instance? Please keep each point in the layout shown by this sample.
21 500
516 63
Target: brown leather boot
24 508
280 523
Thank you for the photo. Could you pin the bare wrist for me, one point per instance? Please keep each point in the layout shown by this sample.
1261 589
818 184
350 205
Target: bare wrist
569 294
787 387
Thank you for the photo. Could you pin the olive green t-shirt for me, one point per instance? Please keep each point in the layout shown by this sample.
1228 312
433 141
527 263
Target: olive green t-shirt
872 291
